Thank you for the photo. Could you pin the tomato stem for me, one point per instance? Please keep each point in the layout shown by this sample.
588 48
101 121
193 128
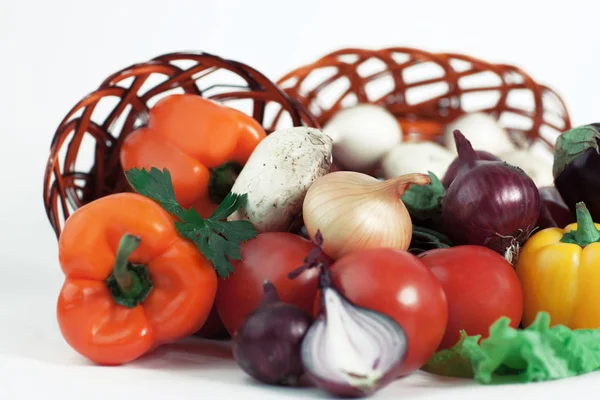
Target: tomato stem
586 232
222 179
129 283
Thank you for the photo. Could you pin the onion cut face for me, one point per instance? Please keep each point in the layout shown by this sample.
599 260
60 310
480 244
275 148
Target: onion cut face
352 351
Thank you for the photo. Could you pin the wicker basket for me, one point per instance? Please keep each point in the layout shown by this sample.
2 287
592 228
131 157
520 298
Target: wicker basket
84 157
425 91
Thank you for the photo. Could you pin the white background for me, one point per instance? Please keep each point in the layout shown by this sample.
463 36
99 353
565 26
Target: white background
52 53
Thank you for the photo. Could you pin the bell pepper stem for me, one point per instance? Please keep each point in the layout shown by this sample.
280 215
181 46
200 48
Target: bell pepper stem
222 179
129 283
121 271
586 232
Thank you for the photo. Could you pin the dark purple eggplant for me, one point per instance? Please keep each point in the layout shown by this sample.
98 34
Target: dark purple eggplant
457 166
554 212
490 203
267 346
576 168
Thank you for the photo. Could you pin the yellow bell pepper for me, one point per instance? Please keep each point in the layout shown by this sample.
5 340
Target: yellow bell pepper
559 270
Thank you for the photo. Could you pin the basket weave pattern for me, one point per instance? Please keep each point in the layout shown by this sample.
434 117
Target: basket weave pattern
92 132
416 85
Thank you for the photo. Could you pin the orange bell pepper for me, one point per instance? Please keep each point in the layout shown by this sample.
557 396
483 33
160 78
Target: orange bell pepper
132 283
202 143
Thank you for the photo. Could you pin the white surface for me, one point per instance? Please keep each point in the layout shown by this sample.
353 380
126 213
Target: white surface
36 363
54 52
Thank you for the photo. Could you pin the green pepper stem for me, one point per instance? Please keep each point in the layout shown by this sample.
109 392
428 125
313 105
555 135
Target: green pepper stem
121 271
129 283
222 179
586 232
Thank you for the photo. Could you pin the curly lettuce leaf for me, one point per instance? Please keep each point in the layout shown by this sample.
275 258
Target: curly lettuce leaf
455 361
537 353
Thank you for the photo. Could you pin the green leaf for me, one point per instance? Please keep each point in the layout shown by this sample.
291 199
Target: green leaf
231 203
455 361
424 239
222 249
219 240
156 185
424 203
571 144
537 353
238 231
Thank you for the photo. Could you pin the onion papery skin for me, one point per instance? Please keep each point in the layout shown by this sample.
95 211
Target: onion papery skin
355 211
494 204
267 346
457 166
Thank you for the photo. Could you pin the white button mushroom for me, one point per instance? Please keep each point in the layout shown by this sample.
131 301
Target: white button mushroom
421 157
278 174
362 135
483 131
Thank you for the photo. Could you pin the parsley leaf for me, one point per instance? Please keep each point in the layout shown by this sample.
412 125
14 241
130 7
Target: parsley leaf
219 240
156 185
230 203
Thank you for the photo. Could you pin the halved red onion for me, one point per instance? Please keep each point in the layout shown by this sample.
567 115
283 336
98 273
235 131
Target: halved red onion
349 350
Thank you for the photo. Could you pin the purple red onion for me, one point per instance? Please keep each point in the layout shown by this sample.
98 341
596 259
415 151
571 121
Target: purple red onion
349 351
457 166
490 203
267 346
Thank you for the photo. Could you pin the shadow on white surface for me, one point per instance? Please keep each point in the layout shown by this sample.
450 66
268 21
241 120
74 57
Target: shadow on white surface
33 350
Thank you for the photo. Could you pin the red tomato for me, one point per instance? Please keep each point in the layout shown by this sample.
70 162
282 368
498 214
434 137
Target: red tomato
480 285
213 327
397 284
269 256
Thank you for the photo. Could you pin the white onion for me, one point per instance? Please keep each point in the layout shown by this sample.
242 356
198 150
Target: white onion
483 131
421 157
362 135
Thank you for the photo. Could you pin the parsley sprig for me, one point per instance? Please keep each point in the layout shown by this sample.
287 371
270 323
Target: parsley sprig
217 239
